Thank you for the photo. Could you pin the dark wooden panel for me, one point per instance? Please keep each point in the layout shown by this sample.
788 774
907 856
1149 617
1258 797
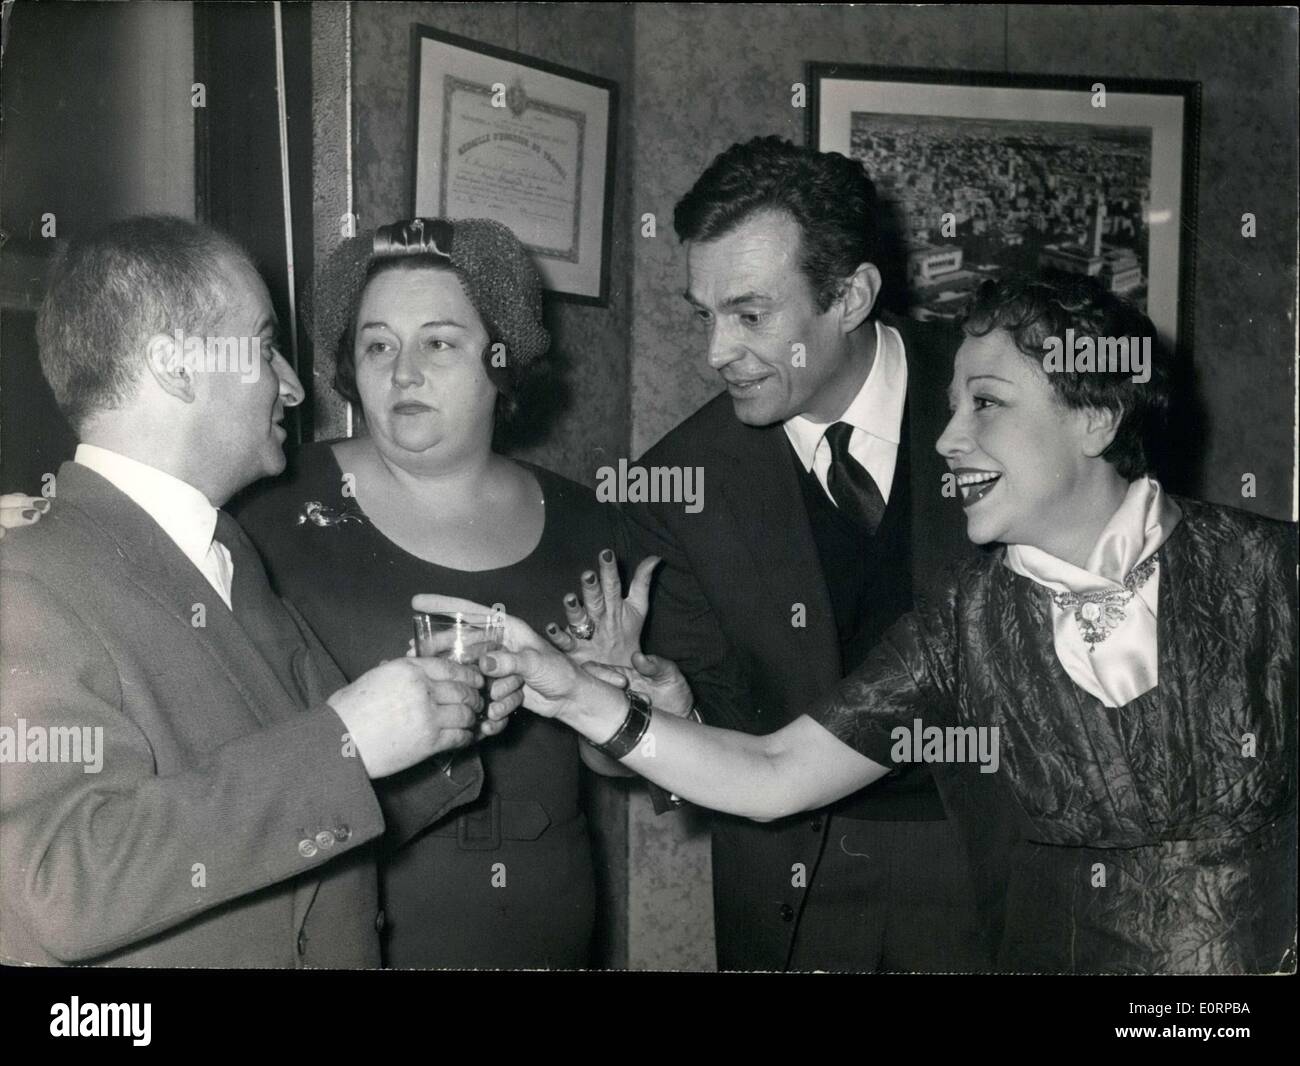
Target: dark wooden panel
34 437
238 186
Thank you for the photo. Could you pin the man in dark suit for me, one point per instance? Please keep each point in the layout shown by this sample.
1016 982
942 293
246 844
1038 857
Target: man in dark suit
187 779
826 514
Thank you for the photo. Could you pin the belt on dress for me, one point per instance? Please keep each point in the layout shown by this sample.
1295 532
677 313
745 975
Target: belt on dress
497 820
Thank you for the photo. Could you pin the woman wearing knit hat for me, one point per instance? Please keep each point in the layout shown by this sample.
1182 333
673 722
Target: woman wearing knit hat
437 325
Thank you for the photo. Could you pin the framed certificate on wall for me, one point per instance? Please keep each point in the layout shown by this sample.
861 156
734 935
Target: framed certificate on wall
529 144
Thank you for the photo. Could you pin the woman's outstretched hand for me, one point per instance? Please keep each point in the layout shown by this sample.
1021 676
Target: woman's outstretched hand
616 619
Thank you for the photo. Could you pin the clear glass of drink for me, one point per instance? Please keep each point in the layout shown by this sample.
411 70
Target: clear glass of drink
460 637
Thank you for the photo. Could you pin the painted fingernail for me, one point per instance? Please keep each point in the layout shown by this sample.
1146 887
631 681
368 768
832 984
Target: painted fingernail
607 555
552 629
42 505
588 578
571 600
489 663
29 512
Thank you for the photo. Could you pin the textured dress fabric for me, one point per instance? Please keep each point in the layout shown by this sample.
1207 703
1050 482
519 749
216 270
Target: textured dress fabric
505 878
1154 837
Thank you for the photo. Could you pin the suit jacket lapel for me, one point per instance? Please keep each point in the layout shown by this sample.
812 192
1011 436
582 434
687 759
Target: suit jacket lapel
765 504
152 561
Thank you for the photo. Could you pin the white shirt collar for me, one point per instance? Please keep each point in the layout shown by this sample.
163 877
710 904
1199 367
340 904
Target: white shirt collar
876 409
183 512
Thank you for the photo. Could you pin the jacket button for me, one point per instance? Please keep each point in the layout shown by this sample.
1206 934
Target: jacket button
306 848
787 913
302 942
380 920
342 833
816 825
325 839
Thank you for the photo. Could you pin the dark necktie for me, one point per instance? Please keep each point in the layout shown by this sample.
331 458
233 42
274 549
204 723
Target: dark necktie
853 489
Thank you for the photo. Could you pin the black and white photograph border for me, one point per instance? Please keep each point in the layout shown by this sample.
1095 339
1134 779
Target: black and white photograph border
682 361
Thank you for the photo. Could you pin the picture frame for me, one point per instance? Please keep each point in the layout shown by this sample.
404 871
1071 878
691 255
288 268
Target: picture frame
497 134
984 173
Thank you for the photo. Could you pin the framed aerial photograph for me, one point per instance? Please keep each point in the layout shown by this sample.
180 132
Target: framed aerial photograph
530 144
991 173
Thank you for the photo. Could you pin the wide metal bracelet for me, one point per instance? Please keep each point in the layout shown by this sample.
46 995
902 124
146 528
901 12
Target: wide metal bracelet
634 727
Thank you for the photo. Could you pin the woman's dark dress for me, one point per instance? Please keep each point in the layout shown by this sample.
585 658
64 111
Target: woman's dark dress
1154 837
506 879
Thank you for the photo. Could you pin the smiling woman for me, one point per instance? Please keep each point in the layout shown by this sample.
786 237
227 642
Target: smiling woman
439 324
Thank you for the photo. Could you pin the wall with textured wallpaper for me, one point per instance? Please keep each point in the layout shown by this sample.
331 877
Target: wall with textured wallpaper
696 78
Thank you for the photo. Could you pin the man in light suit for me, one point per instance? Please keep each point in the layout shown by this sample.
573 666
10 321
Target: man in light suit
225 815
826 512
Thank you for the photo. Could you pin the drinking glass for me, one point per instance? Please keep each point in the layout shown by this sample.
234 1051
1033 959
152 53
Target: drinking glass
460 637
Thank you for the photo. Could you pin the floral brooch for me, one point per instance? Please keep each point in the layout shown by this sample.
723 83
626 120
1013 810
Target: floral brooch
1098 614
318 514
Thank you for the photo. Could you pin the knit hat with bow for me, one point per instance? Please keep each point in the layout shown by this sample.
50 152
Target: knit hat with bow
495 269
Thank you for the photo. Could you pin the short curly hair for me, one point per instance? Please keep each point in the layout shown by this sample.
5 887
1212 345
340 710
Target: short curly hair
1033 308
492 265
828 195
